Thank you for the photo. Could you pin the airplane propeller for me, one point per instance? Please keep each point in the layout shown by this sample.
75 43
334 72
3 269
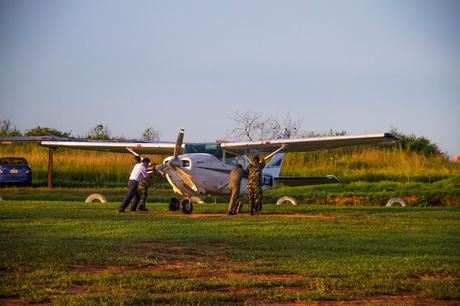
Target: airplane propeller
175 162
180 139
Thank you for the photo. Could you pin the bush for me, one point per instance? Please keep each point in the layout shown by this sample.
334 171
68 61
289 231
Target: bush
420 145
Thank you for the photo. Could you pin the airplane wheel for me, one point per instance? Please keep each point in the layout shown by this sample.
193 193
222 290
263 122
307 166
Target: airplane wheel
174 204
187 206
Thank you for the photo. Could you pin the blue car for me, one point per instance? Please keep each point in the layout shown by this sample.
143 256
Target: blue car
15 170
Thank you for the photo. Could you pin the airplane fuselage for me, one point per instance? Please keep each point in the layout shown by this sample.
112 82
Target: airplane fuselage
196 174
199 174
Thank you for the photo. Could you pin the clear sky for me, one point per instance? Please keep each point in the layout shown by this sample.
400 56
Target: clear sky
355 65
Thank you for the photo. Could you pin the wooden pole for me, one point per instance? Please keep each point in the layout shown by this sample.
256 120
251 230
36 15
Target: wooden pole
50 167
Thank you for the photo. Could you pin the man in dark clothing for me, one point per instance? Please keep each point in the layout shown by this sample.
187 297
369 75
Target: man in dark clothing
255 185
137 174
234 186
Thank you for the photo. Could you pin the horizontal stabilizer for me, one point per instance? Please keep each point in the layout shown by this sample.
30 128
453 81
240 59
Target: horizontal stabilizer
304 181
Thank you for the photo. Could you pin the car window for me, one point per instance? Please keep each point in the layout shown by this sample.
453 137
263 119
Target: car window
12 161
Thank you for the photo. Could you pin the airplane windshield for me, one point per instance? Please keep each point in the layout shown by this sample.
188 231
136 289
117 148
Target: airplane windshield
209 148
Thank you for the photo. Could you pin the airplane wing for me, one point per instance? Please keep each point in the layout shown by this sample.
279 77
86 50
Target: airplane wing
137 148
307 144
112 146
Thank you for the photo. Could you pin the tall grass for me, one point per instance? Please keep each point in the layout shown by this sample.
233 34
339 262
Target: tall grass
370 164
77 167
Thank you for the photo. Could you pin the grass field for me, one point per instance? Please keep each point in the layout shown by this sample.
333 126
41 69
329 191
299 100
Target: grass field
82 254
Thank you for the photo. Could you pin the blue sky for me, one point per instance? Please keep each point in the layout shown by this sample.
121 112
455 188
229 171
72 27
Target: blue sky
355 65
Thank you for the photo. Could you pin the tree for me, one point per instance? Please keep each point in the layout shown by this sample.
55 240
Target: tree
99 132
254 126
45 131
331 132
151 134
6 129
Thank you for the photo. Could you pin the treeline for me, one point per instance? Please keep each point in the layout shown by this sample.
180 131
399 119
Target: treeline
99 132
250 127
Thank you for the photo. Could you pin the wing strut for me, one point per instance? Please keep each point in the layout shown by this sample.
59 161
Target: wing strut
274 152
132 151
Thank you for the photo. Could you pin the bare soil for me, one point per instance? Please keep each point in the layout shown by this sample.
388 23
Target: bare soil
202 262
199 263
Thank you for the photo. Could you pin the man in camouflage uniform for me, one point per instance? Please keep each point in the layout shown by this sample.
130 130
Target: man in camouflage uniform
255 184
144 185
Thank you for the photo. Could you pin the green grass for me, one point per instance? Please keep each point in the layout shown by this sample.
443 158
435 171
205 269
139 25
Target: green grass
73 253
445 192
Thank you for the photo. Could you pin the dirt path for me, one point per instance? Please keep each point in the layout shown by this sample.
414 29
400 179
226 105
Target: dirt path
246 215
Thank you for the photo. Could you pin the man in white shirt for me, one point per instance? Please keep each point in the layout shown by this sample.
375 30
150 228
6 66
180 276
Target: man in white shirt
137 174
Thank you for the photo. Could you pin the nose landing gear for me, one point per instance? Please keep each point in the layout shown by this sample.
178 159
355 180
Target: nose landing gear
186 205
174 204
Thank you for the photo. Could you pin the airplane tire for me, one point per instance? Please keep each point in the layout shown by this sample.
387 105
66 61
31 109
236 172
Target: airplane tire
396 201
96 196
187 206
174 204
289 199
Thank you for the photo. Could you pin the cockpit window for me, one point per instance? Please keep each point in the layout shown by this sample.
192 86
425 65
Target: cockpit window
243 161
216 150
209 148
230 158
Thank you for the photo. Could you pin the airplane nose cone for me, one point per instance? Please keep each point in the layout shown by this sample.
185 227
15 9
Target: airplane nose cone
174 162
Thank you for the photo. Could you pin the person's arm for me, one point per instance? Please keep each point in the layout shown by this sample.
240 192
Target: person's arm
144 171
262 164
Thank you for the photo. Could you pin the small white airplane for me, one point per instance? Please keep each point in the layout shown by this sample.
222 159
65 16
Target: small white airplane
204 168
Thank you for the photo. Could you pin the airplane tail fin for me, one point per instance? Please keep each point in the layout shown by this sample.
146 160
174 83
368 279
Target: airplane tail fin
272 168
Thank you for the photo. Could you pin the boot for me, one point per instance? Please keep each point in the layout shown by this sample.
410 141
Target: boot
143 208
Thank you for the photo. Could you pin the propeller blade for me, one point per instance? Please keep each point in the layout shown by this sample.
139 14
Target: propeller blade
186 179
180 139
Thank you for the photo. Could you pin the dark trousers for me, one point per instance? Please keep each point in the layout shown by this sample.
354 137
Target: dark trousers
132 193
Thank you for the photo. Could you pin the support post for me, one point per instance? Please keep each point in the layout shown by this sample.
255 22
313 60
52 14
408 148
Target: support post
50 167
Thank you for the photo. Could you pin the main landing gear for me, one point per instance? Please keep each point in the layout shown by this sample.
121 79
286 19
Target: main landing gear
186 205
